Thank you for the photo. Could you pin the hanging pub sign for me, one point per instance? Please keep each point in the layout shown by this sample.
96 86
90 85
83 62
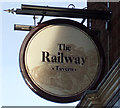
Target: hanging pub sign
60 59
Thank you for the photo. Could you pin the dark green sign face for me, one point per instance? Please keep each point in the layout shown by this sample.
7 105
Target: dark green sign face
60 60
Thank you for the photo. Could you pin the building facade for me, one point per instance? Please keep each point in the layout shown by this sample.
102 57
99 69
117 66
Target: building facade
107 92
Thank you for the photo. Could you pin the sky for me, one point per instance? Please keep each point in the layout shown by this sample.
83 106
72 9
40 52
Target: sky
13 89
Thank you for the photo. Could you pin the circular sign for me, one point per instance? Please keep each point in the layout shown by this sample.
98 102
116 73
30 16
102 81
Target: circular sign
60 59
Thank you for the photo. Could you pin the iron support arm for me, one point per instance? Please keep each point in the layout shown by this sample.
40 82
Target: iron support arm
63 12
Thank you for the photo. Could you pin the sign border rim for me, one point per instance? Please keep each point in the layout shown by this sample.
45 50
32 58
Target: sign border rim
31 84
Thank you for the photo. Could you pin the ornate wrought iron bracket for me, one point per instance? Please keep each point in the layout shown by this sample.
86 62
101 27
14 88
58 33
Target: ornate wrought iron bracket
61 12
